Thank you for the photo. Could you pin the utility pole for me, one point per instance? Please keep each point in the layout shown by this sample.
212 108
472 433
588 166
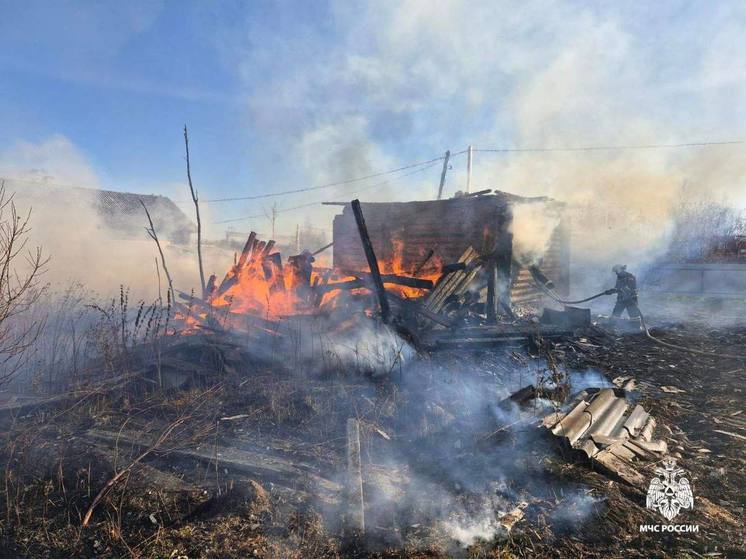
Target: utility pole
297 239
274 217
443 174
468 170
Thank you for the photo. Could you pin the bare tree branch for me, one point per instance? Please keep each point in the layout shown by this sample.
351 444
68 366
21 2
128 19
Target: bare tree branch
112 482
195 199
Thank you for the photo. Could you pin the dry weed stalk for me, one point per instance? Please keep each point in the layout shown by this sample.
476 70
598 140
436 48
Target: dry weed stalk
154 235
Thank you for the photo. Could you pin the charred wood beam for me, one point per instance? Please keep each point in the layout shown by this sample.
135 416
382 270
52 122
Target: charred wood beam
345 285
370 256
247 249
366 281
493 298
504 264
540 278
477 193
210 285
425 261
258 249
355 502
267 249
196 301
230 280
322 249
319 288
275 258
450 268
408 306
393 278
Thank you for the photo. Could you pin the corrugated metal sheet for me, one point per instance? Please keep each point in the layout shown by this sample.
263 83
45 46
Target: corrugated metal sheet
611 431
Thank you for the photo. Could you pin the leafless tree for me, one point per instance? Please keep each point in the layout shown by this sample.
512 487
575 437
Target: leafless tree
195 199
698 221
21 269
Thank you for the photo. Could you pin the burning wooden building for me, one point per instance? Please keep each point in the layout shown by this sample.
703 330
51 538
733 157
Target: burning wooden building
432 267
510 233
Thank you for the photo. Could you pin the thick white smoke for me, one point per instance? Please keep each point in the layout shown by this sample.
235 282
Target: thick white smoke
449 74
81 246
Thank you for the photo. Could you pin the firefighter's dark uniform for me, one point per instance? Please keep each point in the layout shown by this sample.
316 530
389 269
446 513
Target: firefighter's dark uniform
626 299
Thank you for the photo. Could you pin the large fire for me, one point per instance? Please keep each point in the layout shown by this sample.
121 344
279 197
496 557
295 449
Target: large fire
259 284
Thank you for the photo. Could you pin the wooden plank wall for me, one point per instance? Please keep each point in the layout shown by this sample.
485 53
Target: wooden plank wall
555 264
448 227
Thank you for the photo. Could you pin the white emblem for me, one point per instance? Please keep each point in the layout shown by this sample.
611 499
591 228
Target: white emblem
666 493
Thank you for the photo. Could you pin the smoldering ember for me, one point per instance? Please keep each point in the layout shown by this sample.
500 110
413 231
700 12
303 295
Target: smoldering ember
404 287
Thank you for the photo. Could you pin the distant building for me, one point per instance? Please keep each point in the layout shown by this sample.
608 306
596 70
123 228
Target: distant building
119 212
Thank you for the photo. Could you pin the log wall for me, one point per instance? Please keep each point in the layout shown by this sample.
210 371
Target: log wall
556 266
448 227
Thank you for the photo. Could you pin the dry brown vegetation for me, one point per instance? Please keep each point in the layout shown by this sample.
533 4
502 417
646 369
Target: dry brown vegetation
248 460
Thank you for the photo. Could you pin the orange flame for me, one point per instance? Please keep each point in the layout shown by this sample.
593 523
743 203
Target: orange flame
264 288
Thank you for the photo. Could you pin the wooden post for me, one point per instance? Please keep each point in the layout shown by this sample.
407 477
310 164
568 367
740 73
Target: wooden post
274 218
443 174
468 170
370 255
355 502
503 271
493 298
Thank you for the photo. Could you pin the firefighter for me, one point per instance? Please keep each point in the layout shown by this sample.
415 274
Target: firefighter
626 290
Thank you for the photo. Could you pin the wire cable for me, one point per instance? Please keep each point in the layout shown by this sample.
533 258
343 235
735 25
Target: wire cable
611 148
367 187
330 184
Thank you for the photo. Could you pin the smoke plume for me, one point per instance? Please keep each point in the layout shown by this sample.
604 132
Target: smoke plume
55 182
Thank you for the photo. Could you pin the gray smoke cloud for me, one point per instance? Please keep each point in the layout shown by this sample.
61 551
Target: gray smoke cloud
82 245
447 74
457 460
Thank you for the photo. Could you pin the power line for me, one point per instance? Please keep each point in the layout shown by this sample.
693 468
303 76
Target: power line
423 164
368 187
328 185
611 148
257 216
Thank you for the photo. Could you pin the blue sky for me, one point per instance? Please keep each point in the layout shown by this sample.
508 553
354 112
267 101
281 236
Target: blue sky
281 95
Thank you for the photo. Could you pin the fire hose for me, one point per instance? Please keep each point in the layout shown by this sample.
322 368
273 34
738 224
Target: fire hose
552 295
